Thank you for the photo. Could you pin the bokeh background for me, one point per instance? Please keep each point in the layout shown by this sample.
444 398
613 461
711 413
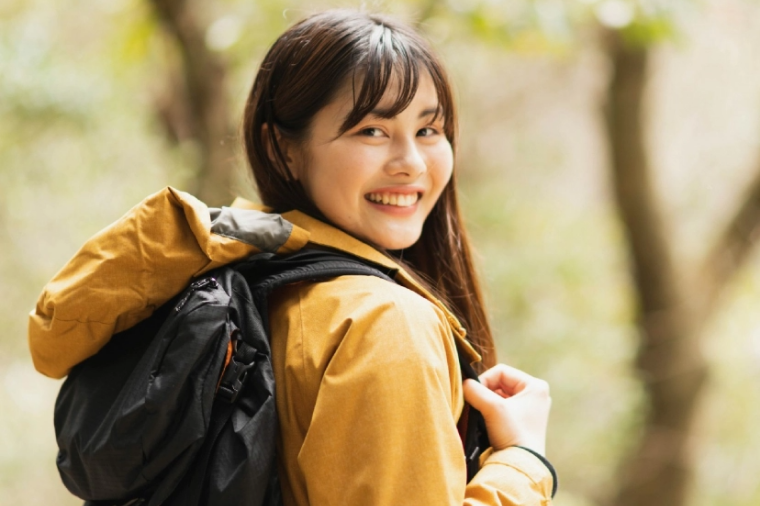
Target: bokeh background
609 161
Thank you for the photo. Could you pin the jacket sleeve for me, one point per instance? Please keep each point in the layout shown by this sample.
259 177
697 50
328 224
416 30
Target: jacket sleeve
383 427
510 477
122 274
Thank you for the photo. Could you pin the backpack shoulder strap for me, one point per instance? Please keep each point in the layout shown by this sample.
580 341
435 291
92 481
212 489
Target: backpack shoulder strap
266 272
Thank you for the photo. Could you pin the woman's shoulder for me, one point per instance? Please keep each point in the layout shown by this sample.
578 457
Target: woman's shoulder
369 298
364 311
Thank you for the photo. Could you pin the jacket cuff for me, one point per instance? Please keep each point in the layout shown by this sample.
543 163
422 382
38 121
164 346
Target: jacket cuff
535 466
549 466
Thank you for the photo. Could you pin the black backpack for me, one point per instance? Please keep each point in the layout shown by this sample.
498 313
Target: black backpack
148 421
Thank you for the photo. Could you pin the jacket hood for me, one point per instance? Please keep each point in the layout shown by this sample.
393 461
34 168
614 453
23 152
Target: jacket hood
133 266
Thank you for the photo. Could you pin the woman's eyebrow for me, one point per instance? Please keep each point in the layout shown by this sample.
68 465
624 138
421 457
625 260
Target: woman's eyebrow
386 113
431 111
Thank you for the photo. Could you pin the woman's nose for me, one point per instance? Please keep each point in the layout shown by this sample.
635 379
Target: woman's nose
407 159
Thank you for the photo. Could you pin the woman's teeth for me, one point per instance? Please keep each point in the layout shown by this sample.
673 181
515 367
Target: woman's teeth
394 199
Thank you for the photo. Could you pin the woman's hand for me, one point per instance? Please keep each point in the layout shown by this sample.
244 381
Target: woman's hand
515 406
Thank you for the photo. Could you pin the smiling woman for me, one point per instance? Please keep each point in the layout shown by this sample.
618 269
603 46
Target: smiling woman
351 121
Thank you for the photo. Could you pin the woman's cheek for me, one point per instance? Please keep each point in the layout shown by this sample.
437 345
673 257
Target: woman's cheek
442 164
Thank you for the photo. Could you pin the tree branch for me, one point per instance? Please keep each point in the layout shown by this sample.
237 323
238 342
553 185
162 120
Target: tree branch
734 245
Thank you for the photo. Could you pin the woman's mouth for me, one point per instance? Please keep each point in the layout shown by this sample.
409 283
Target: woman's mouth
394 199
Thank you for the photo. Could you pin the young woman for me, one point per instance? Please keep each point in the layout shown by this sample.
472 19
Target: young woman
351 121
350 130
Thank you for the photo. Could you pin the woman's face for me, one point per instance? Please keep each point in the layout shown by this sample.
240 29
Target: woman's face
380 179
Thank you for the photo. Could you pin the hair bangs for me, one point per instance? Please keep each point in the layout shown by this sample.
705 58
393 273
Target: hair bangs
390 60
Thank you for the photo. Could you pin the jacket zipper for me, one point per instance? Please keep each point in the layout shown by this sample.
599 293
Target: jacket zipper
196 285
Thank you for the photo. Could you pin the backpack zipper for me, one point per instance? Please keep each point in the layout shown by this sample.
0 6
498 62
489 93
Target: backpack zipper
196 285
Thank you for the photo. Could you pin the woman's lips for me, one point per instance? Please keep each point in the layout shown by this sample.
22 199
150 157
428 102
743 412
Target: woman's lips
396 203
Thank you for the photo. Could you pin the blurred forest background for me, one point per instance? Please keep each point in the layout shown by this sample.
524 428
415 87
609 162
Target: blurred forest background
610 168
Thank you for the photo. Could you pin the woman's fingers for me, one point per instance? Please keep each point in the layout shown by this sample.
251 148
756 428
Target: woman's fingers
506 378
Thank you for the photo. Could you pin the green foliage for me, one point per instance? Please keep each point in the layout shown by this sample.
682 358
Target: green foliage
551 26
648 31
136 35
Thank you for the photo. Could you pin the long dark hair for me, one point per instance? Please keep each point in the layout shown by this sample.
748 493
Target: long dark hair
301 74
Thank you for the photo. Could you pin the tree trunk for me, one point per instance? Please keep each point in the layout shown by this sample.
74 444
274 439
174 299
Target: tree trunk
199 91
669 360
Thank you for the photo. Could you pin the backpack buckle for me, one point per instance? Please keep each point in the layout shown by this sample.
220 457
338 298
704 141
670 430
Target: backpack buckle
234 377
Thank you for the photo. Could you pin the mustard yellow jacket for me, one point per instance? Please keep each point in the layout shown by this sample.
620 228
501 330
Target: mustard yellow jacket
368 383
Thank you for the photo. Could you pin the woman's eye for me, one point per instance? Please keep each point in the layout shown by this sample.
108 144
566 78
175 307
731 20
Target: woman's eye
371 132
427 132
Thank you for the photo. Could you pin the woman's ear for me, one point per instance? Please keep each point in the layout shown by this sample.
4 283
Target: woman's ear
288 148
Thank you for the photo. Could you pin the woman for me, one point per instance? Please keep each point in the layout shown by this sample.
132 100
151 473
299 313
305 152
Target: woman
351 120
350 130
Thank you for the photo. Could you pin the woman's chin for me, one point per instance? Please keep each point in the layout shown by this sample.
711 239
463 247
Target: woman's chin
385 234
395 241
